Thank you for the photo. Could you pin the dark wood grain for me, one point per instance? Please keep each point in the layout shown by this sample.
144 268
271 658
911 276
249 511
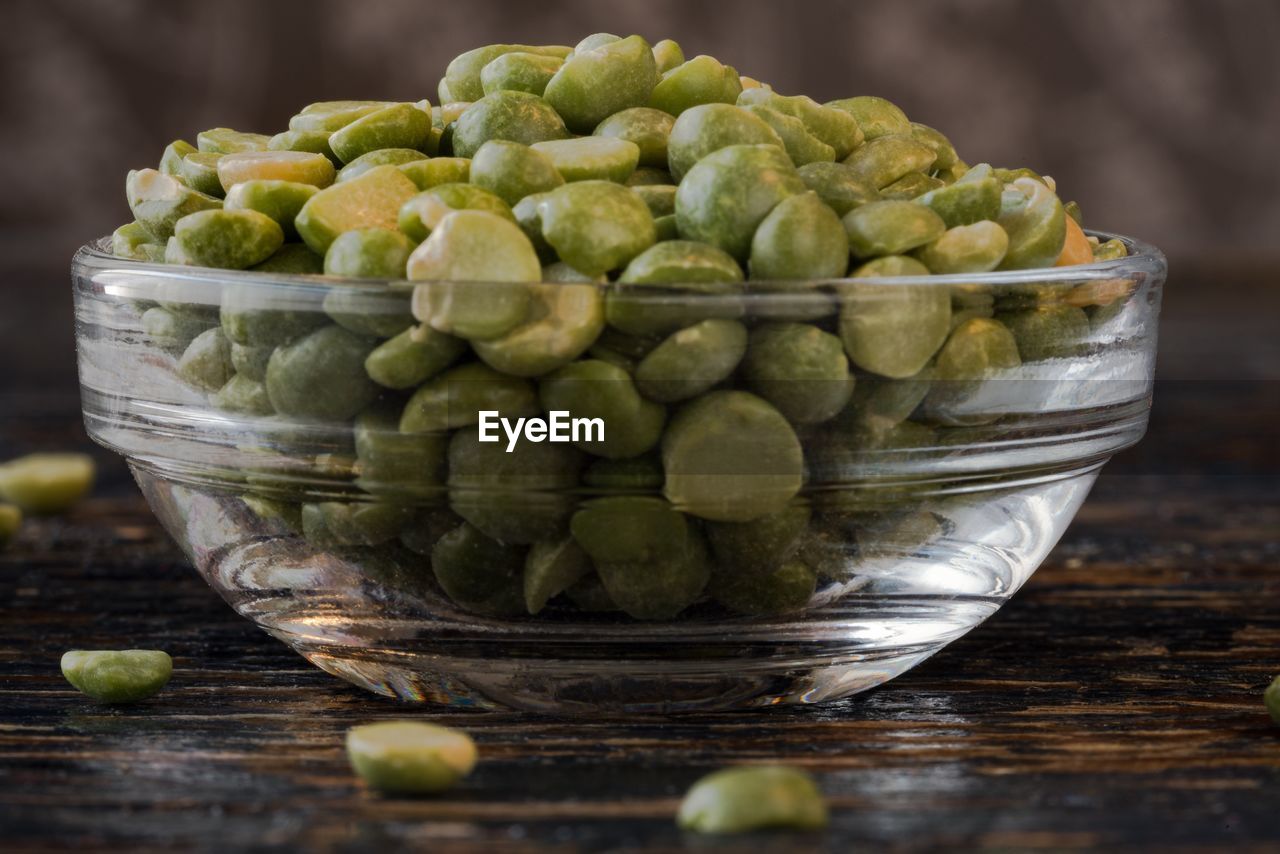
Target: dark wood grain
1115 702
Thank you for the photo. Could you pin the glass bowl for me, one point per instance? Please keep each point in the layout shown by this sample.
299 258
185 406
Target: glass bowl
424 566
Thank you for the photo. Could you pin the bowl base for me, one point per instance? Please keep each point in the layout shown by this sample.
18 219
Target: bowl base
576 687
381 623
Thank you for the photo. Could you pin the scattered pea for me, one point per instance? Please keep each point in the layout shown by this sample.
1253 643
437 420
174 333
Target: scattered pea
10 523
410 757
737 800
117 676
47 482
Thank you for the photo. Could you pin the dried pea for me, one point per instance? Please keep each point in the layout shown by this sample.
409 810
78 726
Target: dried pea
117 676
512 171
646 127
736 800
366 201
379 157
396 126
48 482
409 757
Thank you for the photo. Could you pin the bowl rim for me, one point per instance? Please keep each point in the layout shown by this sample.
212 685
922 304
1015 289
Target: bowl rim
1144 259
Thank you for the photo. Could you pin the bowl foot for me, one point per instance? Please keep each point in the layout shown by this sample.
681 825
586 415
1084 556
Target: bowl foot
577 687
375 617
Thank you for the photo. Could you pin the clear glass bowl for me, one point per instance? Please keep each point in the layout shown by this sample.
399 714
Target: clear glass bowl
925 504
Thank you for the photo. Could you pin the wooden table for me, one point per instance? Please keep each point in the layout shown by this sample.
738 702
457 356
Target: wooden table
1115 702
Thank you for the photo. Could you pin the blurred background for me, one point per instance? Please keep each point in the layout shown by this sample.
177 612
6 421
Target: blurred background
1161 117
